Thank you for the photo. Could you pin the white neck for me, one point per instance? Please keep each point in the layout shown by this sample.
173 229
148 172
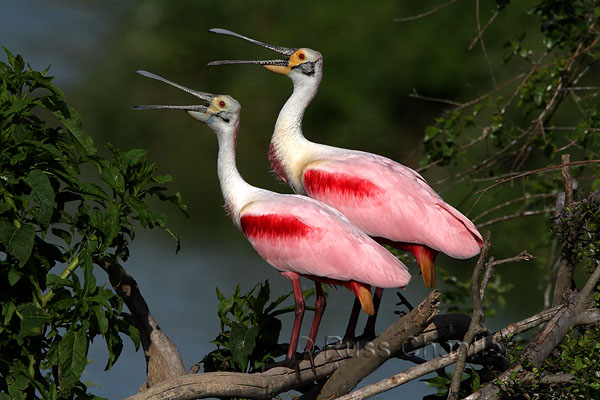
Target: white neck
236 191
288 143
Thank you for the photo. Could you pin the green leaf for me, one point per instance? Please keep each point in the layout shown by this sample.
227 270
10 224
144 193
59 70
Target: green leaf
17 384
162 179
56 282
18 242
133 333
100 319
94 191
43 194
242 341
75 125
13 276
72 357
33 318
8 310
133 157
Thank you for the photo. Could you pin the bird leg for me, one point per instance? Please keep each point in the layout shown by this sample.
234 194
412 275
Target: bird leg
290 359
320 304
369 332
350 335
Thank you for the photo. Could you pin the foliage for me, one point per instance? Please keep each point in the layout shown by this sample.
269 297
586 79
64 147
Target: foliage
249 331
471 383
528 120
579 227
456 296
52 218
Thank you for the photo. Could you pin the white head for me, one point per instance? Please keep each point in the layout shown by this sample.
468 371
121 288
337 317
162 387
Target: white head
222 114
302 65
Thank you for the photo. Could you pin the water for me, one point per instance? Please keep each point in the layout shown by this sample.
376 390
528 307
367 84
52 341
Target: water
180 291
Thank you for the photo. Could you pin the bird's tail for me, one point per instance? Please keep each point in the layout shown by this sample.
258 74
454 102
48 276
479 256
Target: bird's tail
426 260
363 293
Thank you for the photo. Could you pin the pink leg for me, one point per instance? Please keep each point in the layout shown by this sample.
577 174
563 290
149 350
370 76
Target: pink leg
320 304
369 332
299 313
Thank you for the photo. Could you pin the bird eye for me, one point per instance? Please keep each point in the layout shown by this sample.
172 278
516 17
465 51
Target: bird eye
221 104
301 56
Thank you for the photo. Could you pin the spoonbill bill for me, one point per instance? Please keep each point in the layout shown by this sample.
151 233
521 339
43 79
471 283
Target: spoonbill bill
297 235
387 200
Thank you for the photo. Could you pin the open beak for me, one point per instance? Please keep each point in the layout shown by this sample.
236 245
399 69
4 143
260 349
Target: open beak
278 66
199 112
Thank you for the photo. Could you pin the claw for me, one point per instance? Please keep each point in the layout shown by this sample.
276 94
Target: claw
291 363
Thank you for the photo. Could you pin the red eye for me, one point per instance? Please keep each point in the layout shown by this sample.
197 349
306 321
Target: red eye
221 104
301 56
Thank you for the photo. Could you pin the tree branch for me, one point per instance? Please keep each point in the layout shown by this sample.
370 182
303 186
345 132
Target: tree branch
163 360
564 276
544 342
477 315
441 362
388 345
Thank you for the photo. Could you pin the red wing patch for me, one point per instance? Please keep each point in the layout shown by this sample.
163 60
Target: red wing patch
274 226
340 185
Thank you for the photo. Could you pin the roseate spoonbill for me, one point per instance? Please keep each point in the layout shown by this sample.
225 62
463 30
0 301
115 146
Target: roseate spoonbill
297 235
387 200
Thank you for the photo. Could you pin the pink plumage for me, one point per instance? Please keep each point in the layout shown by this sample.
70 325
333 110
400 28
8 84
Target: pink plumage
301 236
386 199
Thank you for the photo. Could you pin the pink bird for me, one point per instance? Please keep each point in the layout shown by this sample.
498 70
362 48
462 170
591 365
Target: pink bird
387 200
297 235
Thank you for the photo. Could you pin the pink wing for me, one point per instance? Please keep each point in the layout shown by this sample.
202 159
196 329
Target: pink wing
299 235
386 199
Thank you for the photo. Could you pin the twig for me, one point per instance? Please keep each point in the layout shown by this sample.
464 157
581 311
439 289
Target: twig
482 192
513 201
480 31
515 215
480 37
522 256
425 14
477 315
416 95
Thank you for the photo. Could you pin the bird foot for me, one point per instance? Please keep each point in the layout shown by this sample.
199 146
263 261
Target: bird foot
291 363
367 336
310 356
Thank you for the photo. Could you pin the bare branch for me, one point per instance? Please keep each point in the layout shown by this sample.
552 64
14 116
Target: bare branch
481 31
489 272
558 378
480 37
425 14
513 201
515 215
473 326
564 276
532 172
235 384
